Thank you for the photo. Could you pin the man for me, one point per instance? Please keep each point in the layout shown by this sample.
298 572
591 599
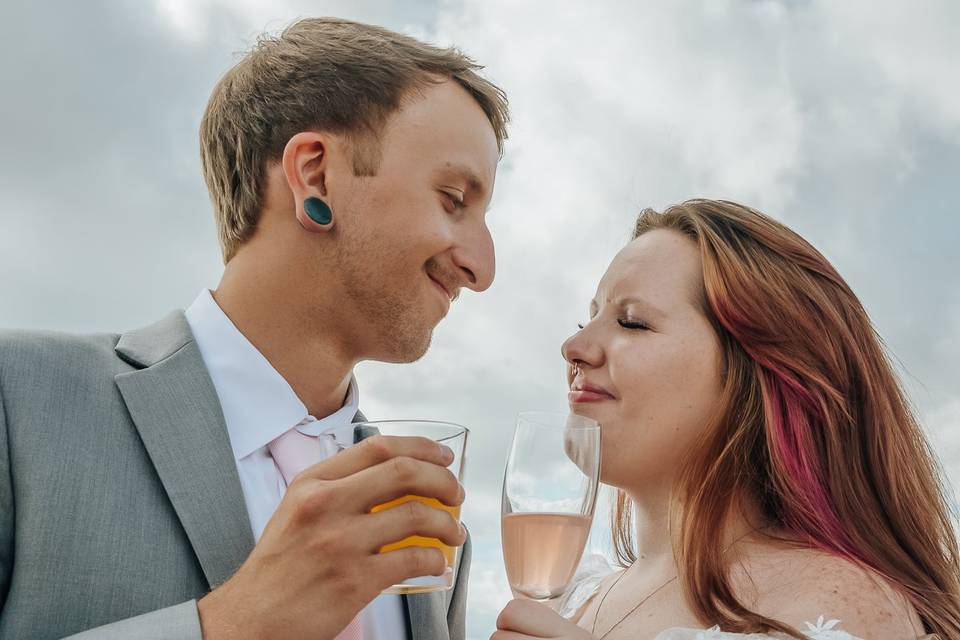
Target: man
146 481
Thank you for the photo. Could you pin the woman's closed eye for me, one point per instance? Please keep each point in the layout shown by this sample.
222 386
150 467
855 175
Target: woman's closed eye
633 324
636 325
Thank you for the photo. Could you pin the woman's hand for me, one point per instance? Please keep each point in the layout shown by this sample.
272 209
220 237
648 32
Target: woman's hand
525 619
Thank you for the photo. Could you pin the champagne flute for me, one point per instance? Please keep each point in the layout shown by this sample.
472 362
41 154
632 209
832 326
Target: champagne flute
453 436
549 494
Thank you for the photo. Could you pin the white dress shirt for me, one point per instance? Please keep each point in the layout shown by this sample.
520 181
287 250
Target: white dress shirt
259 405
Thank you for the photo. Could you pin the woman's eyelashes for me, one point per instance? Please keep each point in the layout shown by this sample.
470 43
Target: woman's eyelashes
633 324
626 323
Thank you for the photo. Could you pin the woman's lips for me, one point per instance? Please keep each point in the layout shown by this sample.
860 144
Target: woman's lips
588 393
578 396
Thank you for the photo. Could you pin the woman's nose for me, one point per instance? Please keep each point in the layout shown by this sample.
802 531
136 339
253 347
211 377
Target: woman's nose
581 349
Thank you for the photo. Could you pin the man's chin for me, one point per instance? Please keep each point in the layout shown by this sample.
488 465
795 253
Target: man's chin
407 351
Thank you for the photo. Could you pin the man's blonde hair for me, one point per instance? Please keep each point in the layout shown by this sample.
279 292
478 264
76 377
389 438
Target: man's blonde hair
318 74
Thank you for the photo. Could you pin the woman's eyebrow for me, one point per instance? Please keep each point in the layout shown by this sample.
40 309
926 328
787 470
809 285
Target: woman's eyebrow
653 311
623 302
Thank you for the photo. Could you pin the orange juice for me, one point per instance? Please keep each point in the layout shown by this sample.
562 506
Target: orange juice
419 541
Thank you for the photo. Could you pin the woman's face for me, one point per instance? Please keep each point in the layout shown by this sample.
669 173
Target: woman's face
649 361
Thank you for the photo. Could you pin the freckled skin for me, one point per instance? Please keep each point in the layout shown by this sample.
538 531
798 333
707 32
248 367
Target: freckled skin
666 381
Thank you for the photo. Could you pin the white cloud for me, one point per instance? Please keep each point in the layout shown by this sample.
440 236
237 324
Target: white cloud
841 118
943 423
196 19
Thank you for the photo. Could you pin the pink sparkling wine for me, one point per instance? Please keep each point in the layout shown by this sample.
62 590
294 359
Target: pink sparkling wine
541 551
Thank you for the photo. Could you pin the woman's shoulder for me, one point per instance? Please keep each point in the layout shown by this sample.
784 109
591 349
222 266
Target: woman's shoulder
821 629
801 585
823 596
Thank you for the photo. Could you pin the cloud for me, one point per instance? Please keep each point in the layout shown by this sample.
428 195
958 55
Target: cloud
838 119
842 119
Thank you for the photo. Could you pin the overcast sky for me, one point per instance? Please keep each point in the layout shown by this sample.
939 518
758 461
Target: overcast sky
840 118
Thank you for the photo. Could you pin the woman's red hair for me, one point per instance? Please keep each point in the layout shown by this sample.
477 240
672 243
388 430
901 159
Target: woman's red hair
813 427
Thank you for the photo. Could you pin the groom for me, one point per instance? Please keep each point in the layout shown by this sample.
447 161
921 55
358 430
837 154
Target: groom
167 482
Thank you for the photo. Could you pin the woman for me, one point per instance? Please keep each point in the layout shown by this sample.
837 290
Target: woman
771 477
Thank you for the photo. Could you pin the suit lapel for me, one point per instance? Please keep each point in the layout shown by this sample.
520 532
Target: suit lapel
428 616
176 411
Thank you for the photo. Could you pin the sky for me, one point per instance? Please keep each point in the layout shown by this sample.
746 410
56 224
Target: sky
841 119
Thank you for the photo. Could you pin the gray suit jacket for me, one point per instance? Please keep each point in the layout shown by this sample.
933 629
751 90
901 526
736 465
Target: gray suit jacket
120 503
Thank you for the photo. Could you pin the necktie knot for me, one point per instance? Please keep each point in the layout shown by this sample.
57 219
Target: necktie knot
294 451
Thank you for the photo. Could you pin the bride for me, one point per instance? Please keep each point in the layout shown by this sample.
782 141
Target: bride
772 481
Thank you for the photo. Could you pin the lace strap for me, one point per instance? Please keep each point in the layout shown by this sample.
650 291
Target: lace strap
592 571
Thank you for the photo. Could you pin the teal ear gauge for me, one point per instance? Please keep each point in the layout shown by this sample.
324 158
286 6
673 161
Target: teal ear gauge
318 210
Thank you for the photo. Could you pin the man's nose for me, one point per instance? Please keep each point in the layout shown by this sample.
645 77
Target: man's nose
475 259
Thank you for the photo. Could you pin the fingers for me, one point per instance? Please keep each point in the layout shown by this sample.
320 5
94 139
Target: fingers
509 635
411 562
318 493
403 476
533 619
377 450
411 519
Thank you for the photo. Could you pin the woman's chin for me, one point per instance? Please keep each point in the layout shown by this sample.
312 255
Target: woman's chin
589 410
579 407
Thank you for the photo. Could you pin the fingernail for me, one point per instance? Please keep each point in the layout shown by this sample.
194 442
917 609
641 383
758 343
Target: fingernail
446 453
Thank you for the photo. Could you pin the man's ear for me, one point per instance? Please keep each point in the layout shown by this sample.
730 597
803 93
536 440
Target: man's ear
305 162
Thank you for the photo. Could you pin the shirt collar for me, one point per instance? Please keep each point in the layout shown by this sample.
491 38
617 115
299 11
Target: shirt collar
258 403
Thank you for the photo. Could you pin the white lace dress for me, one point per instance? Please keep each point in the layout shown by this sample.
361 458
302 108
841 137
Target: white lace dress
594 568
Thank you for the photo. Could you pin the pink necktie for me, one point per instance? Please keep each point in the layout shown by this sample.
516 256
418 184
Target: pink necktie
293 452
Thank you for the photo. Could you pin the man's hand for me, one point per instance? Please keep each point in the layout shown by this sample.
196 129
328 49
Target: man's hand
528 620
317 564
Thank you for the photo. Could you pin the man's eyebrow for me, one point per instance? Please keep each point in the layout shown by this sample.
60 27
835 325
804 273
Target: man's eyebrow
474 183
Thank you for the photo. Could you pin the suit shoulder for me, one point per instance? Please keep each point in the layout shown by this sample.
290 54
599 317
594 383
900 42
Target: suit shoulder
29 350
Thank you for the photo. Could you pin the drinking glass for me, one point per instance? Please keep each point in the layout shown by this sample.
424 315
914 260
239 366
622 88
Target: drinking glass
549 494
446 433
